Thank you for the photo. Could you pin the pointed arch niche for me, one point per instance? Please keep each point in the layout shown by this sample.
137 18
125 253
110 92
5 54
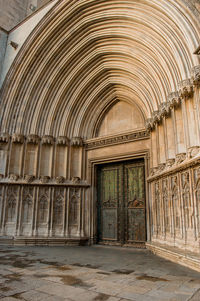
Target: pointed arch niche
120 117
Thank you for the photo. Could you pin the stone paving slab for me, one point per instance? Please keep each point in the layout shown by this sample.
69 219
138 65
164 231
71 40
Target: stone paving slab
92 274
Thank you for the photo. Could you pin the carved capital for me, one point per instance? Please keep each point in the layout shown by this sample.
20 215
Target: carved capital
164 109
13 177
17 138
170 162
173 100
186 89
34 139
29 178
76 180
76 141
47 139
44 179
193 151
196 75
60 179
149 125
156 116
4 137
62 140
180 158
161 167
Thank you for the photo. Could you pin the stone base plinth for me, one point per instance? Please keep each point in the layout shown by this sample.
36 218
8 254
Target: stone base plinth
185 258
44 241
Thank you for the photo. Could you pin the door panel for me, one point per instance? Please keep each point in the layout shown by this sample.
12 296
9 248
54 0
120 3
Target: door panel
135 202
109 202
121 203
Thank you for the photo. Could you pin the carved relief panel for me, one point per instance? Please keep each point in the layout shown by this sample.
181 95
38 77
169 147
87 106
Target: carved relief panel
197 197
166 204
27 204
176 206
187 202
58 203
43 205
11 204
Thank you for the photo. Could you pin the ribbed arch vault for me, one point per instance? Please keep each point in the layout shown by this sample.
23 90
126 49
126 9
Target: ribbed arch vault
86 54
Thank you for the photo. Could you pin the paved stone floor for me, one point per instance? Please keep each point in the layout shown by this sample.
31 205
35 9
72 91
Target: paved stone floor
92 274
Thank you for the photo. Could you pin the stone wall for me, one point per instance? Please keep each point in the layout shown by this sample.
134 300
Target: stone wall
175 168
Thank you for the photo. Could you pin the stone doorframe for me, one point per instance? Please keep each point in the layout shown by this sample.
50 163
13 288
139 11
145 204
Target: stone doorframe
92 177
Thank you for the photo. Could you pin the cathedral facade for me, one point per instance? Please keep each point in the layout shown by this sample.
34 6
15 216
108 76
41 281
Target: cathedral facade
100 125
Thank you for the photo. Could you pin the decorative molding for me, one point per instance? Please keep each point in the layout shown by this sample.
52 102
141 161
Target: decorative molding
124 138
47 139
4 137
17 138
62 140
76 141
33 139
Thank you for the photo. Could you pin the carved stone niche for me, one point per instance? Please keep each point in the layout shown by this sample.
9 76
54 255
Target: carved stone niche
180 158
76 141
196 75
33 139
4 137
164 109
60 179
13 177
29 178
17 138
44 179
76 180
173 100
47 139
170 162
186 89
62 140
1 176
193 151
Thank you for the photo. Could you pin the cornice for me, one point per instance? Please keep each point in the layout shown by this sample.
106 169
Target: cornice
113 140
172 166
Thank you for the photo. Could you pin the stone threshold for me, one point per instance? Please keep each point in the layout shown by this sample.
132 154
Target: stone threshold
44 241
185 258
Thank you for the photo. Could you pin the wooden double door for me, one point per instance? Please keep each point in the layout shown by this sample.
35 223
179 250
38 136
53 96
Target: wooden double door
121 203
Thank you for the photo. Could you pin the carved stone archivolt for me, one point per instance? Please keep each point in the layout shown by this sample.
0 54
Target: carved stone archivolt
185 91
